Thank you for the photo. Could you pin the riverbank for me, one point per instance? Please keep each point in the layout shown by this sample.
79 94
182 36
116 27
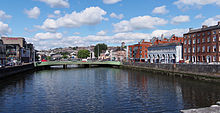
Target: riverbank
195 71
6 72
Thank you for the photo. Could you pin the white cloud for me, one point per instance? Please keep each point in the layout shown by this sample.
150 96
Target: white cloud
33 13
120 16
160 10
101 33
116 39
183 3
110 1
48 35
137 23
57 3
212 21
3 15
199 16
180 19
76 33
4 29
89 16
57 12
167 33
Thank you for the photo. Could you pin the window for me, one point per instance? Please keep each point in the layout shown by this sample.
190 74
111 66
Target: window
214 48
189 50
213 32
214 38
185 42
198 41
194 48
185 50
185 36
189 42
203 40
219 48
209 33
208 39
198 59
203 34
194 41
208 49
185 57
198 49
203 49
198 34
194 35
214 58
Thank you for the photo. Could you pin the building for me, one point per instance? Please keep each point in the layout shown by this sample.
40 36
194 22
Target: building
2 54
162 40
165 53
202 45
119 54
18 49
138 52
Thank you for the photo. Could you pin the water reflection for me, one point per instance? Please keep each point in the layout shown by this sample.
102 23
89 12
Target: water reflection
103 90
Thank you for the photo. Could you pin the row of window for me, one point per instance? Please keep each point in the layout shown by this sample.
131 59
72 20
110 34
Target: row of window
202 58
209 49
199 34
203 40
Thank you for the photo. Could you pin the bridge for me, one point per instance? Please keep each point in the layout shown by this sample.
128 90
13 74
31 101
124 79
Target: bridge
86 64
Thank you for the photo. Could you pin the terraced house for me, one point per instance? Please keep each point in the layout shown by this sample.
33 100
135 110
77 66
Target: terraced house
202 45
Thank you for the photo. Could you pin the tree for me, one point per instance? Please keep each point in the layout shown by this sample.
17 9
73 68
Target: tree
99 48
65 56
48 58
83 53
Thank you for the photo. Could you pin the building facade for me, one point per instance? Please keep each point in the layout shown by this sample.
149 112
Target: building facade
2 54
18 49
138 52
202 45
165 53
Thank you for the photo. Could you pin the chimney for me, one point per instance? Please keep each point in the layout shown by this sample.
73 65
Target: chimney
190 29
204 26
218 23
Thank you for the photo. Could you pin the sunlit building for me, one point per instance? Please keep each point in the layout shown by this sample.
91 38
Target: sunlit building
202 45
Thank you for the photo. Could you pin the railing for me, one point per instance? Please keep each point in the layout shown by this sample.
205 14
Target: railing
51 63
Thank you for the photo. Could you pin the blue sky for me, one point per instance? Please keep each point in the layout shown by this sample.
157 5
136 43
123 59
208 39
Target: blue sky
63 23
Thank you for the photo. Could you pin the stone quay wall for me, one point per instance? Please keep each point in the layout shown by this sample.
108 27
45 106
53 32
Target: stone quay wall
6 72
210 72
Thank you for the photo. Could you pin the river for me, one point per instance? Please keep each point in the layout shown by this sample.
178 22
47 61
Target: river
106 90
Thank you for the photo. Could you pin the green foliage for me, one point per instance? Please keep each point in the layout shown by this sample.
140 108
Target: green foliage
75 48
48 58
99 48
83 53
65 56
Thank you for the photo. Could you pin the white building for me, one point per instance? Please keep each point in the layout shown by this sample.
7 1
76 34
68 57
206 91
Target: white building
165 53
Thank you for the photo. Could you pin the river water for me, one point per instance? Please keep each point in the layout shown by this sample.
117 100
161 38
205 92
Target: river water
105 90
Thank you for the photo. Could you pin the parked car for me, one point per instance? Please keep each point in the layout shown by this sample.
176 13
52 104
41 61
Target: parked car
84 60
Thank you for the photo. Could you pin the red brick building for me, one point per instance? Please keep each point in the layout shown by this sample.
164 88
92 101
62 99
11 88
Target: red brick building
202 45
138 51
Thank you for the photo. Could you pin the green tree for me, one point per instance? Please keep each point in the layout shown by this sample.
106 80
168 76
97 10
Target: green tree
83 53
65 56
99 48
48 58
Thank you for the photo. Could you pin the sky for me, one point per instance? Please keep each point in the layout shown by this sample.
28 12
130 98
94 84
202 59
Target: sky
66 23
